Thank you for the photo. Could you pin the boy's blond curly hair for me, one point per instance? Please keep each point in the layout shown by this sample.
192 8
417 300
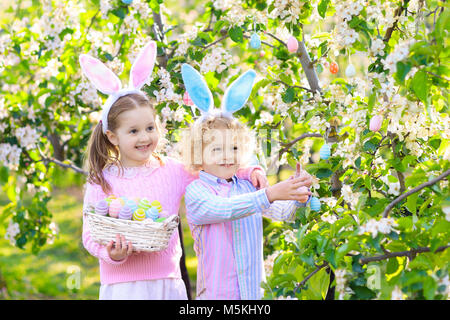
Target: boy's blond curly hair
201 133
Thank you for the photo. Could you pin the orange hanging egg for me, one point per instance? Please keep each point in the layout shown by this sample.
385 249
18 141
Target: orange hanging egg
334 68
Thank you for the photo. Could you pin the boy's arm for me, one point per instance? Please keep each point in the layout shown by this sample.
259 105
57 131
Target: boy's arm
204 207
284 210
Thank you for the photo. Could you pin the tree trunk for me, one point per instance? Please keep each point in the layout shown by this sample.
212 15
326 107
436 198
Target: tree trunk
184 273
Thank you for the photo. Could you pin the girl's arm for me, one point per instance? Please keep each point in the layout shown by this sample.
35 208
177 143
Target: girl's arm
249 173
92 195
204 207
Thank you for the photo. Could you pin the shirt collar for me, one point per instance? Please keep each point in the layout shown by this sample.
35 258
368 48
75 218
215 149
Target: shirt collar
212 179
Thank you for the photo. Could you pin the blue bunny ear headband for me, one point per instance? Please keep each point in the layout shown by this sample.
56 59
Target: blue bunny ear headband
234 99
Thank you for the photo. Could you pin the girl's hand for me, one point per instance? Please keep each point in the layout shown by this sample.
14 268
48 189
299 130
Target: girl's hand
121 248
259 179
289 190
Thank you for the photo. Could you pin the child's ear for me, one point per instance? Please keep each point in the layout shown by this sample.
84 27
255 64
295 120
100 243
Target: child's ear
112 137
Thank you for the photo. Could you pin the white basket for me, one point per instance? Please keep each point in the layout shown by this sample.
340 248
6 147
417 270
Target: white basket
146 235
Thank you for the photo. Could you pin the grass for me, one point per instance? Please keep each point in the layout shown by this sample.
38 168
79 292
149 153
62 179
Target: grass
59 268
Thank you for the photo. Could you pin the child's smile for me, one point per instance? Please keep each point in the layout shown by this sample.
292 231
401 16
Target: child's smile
136 136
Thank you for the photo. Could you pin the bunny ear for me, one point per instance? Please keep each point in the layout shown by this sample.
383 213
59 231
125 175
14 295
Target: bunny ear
143 66
100 75
238 92
197 88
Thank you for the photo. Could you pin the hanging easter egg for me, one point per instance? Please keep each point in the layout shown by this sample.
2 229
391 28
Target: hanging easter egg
334 68
315 204
292 44
375 123
325 152
262 53
187 100
101 208
158 205
350 71
152 213
127 2
126 213
114 208
139 215
255 41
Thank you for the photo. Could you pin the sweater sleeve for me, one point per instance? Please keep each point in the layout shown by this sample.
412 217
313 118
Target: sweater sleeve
94 193
205 207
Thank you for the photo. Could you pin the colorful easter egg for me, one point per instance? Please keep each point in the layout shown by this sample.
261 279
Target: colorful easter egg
101 208
161 219
157 204
132 205
110 198
144 204
152 213
292 44
325 151
350 71
255 41
334 68
315 204
127 1
375 123
126 213
139 215
114 208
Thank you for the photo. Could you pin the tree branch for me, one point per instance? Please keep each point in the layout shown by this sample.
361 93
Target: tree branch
400 254
289 144
64 165
416 189
302 283
397 13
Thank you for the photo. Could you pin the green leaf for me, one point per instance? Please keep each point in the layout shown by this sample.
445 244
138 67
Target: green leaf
322 7
402 71
119 12
236 34
419 85
392 265
289 95
411 203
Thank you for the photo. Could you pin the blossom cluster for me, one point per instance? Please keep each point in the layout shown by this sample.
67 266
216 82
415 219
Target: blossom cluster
384 225
216 61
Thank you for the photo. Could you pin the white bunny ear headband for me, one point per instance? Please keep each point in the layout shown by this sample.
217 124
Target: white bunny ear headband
234 99
108 83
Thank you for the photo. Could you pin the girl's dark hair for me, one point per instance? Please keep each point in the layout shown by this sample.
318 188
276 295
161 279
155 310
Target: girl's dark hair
100 151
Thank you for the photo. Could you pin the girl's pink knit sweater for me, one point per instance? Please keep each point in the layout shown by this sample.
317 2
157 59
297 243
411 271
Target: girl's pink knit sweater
167 184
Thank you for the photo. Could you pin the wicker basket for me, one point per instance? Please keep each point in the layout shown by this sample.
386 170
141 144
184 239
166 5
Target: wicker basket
145 235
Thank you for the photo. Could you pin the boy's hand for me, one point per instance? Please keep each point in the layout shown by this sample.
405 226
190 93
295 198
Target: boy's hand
259 179
302 173
291 189
121 248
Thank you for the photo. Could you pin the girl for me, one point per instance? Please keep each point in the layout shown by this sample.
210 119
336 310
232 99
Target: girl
122 160
223 211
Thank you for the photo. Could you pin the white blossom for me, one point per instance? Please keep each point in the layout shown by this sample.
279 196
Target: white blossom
12 231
